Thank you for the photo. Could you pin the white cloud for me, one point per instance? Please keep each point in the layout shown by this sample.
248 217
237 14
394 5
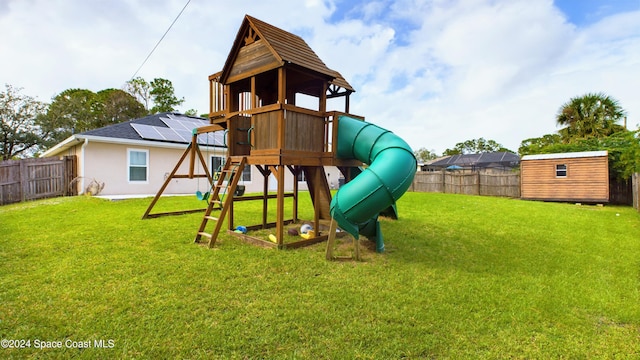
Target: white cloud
436 72
491 69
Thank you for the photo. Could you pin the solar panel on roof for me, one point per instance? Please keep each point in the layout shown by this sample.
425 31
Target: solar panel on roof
179 131
174 124
206 139
169 134
215 138
185 134
184 124
147 132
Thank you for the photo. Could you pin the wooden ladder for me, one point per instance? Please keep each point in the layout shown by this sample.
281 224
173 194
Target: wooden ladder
232 172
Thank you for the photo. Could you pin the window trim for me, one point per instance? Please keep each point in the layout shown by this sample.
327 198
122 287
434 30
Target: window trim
301 178
559 170
146 152
247 168
212 170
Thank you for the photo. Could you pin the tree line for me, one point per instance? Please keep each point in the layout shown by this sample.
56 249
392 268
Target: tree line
29 126
589 122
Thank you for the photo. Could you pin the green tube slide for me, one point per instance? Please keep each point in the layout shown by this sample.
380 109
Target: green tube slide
391 169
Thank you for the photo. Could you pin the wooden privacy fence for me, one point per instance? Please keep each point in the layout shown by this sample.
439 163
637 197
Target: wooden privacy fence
30 179
475 183
621 192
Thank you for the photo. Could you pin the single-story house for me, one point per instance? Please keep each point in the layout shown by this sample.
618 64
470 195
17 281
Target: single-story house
134 158
493 161
567 177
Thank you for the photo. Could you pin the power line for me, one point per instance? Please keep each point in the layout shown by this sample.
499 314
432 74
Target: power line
159 41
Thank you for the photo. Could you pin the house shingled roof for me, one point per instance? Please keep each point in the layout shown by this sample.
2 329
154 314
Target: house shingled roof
493 159
124 130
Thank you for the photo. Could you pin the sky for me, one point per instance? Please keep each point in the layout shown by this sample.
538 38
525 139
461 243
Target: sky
435 72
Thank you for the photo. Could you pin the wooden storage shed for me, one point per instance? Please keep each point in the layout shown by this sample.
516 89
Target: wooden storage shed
567 177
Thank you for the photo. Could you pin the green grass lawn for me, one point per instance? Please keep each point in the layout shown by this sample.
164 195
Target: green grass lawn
462 277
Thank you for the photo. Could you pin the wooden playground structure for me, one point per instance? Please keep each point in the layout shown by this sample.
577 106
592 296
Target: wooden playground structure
254 100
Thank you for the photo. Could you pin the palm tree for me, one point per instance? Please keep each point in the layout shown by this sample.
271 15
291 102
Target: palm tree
590 115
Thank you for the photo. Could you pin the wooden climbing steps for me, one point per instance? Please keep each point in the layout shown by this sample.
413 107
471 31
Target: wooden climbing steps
221 198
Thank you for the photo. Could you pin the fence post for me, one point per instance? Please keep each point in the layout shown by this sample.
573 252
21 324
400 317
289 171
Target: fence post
635 179
24 181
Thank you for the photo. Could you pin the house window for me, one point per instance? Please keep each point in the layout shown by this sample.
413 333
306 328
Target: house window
138 164
561 170
217 162
246 173
301 177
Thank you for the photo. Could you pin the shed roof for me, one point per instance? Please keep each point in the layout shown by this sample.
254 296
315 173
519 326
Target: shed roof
493 159
286 47
569 155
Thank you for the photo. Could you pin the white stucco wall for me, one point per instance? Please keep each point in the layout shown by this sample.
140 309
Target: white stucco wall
108 163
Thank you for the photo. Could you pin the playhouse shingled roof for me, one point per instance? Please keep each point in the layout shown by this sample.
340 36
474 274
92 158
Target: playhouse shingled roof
287 47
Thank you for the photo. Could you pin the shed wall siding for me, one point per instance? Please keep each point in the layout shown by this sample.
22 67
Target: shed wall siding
587 179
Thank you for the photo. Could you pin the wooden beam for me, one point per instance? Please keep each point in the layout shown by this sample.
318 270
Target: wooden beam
282 94
274 169
295 170
174 213
260 197
253 240
331 242
314 176
280 142
306 242
270 225
346 103
332 239
192 158
280 208
253 105
208 129
211 95
265 191
263 171
322 106
186 152
275 107
282 85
